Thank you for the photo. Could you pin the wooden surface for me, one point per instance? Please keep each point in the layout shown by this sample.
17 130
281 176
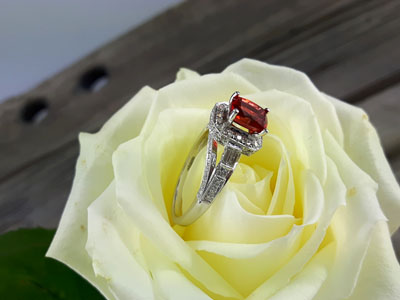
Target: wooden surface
348 48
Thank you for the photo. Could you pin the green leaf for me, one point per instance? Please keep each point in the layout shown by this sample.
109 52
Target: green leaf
25 273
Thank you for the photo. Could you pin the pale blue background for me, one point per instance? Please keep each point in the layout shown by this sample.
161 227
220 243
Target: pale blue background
41 37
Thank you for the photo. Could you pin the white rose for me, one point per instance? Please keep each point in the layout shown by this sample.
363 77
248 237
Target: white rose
307 217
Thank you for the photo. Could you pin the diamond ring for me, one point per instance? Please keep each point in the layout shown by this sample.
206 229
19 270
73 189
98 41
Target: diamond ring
239 127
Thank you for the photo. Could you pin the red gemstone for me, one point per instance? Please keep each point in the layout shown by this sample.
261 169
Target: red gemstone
250 116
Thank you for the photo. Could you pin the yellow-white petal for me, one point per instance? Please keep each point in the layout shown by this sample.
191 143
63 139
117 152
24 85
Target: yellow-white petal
380 272
333 196
306 284
184 74
134 196
93 174
169 281
109 236
362 144
266 77
227 221
352 225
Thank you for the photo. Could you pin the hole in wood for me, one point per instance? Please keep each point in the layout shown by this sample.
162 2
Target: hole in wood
34 111
94 79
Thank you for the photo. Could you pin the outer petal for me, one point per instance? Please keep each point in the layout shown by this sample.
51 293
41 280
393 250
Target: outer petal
351 226
380 274
169 281
184 74
202 92
134 196
110 237
267 77
362 144
93 174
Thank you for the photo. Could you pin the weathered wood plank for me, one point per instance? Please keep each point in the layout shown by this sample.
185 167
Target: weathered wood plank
151 55
352 45
36 197
395 163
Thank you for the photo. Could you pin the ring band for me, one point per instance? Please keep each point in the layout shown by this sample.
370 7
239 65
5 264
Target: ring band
238 126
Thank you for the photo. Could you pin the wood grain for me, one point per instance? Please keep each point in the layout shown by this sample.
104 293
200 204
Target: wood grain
191 35
347 47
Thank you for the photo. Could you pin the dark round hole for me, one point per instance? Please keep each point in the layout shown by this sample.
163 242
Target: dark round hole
94 79
35 111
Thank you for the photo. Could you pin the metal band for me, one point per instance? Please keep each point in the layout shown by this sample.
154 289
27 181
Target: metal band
214 177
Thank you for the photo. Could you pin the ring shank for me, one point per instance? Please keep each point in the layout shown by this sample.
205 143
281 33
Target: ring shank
214 178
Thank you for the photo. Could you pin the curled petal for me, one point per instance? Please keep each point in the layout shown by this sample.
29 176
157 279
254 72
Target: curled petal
364 148
93 175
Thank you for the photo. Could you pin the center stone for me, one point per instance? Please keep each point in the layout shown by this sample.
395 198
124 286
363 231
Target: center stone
251 116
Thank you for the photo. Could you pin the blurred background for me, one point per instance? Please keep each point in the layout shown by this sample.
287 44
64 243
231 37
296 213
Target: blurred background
41 37
67 66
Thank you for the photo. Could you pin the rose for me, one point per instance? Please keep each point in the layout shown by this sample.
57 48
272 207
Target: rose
307 217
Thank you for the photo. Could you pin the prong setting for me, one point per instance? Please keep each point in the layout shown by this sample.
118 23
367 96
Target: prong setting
232 115
237 93
262 133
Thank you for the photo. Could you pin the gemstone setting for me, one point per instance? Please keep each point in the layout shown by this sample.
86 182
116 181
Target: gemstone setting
249 115
225 134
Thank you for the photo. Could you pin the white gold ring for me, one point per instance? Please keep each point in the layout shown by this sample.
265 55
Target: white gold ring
239 127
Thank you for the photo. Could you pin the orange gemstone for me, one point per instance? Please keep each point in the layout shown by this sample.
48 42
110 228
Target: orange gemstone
251 116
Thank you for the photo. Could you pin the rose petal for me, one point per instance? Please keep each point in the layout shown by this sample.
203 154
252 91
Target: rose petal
266 77
352 226
334 192
271 264
305 285
166 150
134 197
380 272
363 146
253 192
93 175
227 221
237 261
184 74
274 157
169 281
313 193
303 138
108 236
202 92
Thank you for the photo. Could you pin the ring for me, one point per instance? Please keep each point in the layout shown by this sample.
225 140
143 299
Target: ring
239 127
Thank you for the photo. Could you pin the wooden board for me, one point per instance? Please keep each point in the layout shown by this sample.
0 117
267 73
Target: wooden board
347 47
